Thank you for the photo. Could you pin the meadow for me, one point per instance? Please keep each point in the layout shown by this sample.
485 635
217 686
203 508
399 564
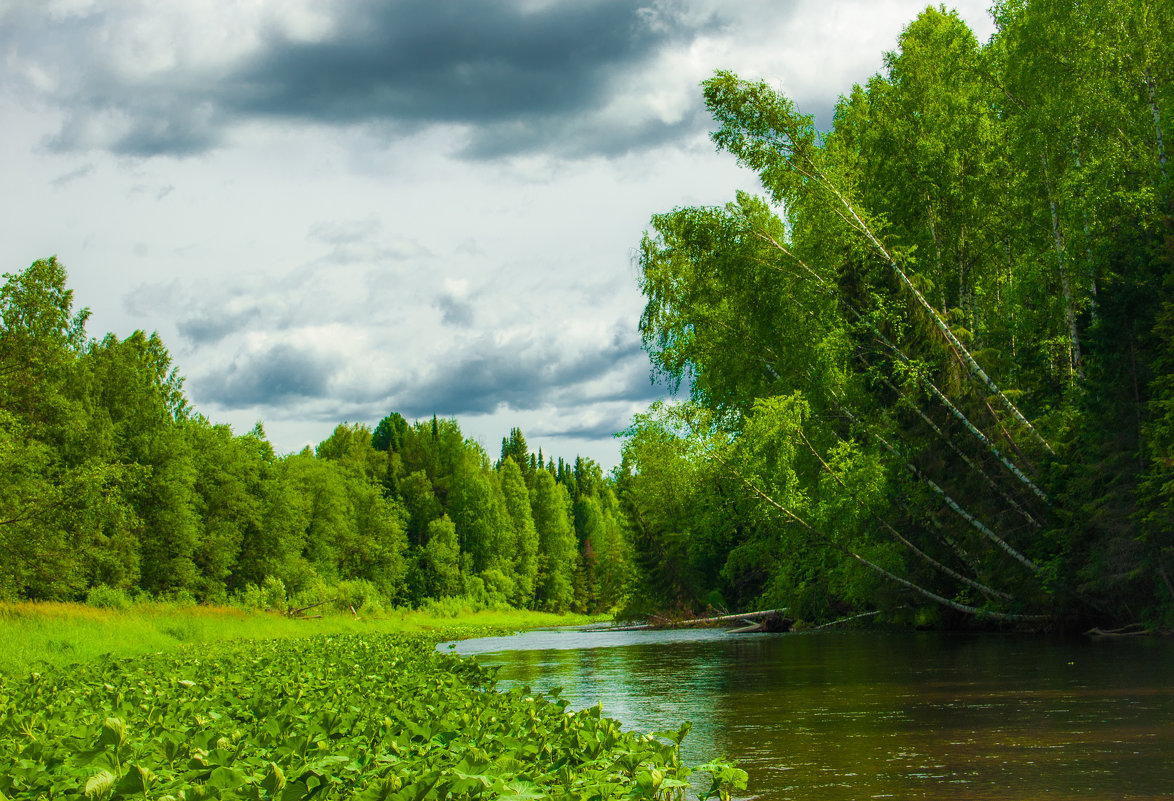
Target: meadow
50 634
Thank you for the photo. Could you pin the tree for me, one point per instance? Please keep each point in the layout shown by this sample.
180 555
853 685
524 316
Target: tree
138 407
40 339
441 560
557 554
525 536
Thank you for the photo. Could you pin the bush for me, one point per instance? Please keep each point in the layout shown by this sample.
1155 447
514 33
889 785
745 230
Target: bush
499 588
372 608
313 591
249 598
273 594
106 597
448 606
357 594
181 598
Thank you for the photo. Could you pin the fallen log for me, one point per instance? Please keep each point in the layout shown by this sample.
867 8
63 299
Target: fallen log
773 622
298 612
763 620
846 619
750 629
743 617
1132 630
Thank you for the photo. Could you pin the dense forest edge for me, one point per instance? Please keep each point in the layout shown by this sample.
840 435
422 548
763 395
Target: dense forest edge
930 376
115 487
931 366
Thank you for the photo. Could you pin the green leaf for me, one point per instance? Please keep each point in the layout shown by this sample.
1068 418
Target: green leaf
226 778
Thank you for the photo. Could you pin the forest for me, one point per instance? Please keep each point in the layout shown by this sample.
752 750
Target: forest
926 375
112 481
930 367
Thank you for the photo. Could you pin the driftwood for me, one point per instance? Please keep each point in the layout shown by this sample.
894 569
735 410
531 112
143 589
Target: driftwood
748 618
1132 630
772 621
764 620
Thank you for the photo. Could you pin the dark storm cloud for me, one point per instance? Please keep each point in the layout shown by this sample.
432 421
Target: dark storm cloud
635 383
518 77
467 61
522 376
280 374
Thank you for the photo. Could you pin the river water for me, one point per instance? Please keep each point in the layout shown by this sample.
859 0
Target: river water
828 716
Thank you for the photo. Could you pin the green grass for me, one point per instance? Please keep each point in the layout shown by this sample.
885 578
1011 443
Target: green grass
40 635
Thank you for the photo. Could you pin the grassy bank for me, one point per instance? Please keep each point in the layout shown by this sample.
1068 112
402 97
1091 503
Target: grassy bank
40 635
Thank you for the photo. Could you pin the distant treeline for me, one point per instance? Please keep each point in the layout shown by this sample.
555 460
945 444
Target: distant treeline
110 480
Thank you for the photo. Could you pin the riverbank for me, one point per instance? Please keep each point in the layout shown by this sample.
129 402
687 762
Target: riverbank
372 716
41 635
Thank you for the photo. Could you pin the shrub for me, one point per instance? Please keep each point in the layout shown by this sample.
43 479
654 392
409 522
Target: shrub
249 598
106 597
313 591
181 598
273 594
356 594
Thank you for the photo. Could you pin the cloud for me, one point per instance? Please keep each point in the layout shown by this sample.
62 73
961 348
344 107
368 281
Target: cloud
271 375
363 241
454 304
71 176
595 426
522 373
516 77
455 311
213 324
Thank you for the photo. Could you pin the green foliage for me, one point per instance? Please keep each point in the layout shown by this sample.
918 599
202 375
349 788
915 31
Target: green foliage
364 717
557 552
441 560
981 239
105 597
525 556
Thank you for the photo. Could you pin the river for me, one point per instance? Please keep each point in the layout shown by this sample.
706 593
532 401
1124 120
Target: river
854 715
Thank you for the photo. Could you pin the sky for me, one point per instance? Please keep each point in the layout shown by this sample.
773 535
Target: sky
330 211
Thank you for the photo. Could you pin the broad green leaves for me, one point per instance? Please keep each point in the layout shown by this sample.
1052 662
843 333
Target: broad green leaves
374 718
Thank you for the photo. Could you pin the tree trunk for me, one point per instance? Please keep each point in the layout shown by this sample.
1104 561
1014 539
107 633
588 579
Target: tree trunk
1075 365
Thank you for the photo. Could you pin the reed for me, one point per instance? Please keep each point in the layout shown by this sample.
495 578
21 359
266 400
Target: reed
37 635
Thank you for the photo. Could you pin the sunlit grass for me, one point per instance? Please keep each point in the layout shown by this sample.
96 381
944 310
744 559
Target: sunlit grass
41 634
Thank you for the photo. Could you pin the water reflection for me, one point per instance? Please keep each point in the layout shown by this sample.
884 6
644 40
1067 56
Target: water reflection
880 715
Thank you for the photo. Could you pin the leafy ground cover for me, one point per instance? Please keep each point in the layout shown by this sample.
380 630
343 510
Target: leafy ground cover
362 716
